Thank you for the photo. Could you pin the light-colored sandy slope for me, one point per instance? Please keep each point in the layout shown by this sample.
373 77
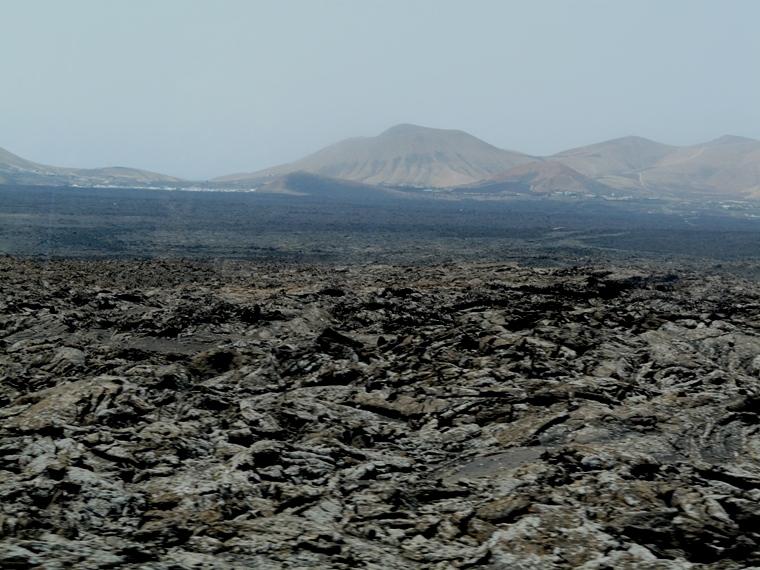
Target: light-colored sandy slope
548 176
404 155
615 157
409 155
540 177
728 165
10 160
126 174
14 169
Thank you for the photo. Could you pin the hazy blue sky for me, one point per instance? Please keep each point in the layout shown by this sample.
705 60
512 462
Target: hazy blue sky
203 88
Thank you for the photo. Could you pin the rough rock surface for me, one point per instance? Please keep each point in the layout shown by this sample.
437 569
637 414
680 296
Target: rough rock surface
184 415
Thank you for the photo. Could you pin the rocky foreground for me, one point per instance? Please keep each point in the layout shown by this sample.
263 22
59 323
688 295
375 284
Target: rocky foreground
184 415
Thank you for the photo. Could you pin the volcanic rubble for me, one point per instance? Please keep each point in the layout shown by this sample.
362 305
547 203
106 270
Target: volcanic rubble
170 414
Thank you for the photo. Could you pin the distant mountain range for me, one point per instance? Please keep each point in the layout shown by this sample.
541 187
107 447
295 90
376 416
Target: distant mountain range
405 155
17 170
728 166
414 157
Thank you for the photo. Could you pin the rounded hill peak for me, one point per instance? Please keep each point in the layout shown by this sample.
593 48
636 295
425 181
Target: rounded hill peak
731 139
406 129
407 155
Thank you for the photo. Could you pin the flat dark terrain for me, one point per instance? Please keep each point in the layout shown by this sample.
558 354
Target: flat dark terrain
341 228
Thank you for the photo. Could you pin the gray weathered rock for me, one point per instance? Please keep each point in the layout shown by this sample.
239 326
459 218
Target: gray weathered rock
187 415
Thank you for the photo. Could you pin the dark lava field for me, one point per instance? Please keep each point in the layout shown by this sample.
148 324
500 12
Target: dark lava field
178 414
133 223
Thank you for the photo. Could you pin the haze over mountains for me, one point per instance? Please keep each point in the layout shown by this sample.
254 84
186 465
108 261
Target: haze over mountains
17 170
727 166
414 157
538 177
404 155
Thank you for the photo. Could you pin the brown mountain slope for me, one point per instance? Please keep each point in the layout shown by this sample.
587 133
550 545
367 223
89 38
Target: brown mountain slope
615 157
728 166
404 155
539 177
17 170
409 155
8 160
